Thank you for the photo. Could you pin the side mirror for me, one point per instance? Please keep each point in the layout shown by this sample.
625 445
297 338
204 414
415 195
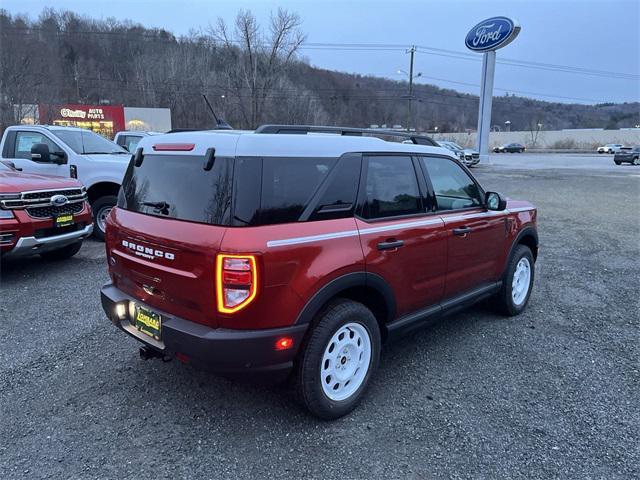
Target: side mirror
495 201
40 152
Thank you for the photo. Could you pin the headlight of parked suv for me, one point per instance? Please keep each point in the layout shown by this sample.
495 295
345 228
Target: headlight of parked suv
5 214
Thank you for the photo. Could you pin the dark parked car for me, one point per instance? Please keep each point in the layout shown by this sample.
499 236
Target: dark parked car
510 147
628 155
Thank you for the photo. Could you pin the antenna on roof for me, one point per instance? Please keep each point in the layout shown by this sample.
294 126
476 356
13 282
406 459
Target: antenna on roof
220 124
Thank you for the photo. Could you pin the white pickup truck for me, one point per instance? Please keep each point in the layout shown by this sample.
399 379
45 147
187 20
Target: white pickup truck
98 163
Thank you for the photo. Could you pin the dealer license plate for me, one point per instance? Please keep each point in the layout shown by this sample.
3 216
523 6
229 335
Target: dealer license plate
64 220
148 322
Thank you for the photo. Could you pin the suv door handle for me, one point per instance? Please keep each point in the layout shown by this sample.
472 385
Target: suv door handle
462 231
391 244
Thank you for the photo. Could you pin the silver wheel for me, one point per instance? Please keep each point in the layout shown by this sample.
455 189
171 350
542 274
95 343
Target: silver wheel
636 161
521 282
345 362
101 217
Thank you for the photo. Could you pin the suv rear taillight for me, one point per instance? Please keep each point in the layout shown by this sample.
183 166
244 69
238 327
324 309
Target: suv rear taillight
236 282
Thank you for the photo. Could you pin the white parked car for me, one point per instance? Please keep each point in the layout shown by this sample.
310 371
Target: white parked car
129 139
610 148
467 156
98 163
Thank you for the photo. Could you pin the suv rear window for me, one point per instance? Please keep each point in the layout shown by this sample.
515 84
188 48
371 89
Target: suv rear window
177 186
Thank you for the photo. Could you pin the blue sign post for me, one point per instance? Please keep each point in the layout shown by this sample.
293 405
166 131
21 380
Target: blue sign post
486 37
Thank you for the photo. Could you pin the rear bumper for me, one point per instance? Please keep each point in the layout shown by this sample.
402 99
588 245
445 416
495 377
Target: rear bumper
32 245
216 349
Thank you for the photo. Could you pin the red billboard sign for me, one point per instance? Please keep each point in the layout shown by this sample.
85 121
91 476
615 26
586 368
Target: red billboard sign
103 119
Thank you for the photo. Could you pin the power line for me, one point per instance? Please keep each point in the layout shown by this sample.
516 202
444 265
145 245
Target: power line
155 35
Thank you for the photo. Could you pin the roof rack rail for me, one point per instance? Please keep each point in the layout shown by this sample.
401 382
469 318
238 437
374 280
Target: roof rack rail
346 131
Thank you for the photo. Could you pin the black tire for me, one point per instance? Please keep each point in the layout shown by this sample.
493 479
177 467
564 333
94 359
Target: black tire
504 299
308 369
62 253
99 207
617 162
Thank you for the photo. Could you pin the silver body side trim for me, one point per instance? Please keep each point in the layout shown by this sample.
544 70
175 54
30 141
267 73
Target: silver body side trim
311 238
389 228
520 209
351 233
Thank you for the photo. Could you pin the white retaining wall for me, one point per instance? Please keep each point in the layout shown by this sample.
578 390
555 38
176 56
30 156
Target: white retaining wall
560 139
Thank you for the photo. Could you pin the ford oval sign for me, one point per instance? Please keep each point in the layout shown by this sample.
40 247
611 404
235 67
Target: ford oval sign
492 34
59 200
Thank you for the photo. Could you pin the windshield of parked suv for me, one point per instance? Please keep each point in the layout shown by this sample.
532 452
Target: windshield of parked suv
451 146
88 142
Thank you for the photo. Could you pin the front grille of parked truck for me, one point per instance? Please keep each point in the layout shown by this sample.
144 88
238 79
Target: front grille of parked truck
39 203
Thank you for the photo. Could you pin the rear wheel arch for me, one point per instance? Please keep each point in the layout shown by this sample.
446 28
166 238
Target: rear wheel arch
367 288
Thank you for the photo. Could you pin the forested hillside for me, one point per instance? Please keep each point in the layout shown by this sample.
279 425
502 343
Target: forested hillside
252 74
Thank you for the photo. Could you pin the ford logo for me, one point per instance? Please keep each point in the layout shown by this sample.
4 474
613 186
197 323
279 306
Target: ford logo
492 34
59 200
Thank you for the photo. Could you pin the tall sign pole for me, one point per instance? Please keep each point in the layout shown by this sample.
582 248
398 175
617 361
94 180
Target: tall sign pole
486 37
486 100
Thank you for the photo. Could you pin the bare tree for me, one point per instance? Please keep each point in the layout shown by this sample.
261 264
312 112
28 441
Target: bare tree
261 59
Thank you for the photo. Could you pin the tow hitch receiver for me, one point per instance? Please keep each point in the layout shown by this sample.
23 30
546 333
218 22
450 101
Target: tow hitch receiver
147 353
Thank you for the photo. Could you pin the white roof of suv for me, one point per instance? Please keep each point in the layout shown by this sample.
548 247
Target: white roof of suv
240 143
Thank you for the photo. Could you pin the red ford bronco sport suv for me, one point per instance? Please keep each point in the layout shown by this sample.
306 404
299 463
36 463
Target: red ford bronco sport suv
280 251
41 214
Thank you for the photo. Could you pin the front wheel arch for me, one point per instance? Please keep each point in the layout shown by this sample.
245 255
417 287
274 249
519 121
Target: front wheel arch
102 189
528 236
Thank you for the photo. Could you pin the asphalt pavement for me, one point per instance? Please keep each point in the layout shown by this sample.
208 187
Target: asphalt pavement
553 393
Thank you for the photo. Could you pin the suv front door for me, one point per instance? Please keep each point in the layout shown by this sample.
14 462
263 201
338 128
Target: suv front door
475 236
402 241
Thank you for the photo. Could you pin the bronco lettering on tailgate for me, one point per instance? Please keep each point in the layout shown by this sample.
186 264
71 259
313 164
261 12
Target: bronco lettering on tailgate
147 252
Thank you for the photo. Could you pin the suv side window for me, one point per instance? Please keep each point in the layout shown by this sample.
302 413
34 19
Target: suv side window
453 187
288 184
25 140
336 198
391 187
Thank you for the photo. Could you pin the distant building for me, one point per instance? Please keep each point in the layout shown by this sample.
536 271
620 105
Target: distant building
106 120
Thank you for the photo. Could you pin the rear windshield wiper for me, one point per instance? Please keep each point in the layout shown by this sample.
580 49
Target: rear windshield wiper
162 207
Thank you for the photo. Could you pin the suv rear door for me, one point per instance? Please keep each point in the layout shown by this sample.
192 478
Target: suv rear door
476 236
402 241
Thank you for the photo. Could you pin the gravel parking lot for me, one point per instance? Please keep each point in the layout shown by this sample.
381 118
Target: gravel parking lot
553 393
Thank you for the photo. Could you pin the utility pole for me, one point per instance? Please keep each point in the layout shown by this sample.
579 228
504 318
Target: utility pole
411 52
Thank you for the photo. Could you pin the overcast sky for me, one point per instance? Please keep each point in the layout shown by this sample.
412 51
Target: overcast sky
591 34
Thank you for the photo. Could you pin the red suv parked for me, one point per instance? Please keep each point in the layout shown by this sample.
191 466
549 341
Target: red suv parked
42 214
276 251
